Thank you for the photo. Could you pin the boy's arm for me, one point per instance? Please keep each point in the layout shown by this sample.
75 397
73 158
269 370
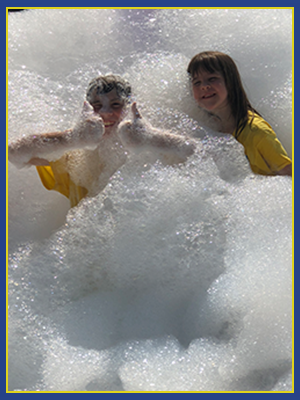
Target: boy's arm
140 135
37 149
40 149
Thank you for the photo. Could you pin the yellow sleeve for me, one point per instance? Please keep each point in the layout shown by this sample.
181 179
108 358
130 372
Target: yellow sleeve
55 177
47 177
264 151
273 153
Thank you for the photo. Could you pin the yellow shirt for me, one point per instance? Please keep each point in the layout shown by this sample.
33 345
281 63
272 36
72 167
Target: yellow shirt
265 153
55 177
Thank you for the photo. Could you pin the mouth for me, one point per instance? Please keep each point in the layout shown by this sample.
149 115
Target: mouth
208 96
108 124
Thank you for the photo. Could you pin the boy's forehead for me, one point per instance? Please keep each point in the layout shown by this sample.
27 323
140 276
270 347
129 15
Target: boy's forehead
111 95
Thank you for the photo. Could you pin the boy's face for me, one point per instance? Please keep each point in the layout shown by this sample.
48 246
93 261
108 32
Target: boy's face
111 108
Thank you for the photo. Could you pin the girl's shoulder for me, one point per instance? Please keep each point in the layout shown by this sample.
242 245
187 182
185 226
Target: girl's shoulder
256 130
256 122
258 125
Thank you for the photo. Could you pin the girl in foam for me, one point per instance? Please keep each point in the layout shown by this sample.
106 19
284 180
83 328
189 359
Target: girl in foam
217 88
80 161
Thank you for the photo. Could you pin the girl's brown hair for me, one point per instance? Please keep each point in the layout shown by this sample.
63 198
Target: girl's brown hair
215 61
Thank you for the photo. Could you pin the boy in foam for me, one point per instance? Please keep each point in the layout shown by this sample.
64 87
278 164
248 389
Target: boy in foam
79 162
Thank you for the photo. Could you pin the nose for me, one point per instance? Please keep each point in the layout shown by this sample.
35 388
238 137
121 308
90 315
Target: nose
205 85
106 111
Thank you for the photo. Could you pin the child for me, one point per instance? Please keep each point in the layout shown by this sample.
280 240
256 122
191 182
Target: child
217 88
80 161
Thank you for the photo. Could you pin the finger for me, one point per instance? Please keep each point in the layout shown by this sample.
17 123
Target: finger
86 107
135 111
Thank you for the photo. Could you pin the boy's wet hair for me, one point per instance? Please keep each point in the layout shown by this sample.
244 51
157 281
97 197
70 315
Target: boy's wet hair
215 61
105 84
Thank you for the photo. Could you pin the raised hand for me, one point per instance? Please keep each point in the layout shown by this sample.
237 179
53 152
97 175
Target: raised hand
90 127
133 133
42 148
140 135
135 111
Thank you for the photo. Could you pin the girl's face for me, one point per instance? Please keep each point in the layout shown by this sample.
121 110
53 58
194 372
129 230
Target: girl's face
111 108
209 91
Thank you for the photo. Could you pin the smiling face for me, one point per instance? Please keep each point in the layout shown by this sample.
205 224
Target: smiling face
209 91
109 96
110 107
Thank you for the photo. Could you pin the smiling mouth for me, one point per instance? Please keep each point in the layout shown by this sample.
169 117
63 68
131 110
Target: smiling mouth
208 96
108 124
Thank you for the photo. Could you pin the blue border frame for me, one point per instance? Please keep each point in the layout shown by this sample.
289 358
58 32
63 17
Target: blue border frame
218 4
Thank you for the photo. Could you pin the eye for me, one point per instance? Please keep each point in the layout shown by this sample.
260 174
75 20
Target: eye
214 78
117 105
96 106
197 83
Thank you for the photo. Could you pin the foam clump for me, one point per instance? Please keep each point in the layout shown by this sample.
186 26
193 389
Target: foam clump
162 365
69 368
112 280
